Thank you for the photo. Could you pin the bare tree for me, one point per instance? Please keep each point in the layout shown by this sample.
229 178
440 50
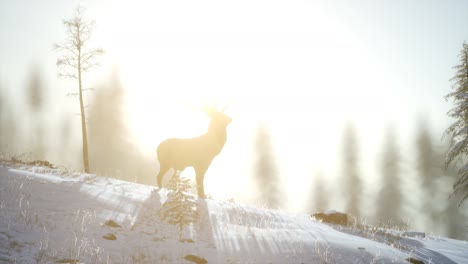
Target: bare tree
75 59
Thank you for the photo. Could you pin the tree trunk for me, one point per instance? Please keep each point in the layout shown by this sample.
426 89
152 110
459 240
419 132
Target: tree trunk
83 118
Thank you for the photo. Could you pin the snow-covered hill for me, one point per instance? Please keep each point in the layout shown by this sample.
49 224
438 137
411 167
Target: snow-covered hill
49 216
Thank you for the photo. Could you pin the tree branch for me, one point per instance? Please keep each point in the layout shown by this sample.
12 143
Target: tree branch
67 75
72 94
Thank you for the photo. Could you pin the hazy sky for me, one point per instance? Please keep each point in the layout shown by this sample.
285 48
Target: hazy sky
303 67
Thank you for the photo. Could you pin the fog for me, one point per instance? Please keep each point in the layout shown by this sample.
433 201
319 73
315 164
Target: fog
334 104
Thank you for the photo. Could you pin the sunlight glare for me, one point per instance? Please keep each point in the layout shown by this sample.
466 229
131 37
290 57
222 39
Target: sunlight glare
295 73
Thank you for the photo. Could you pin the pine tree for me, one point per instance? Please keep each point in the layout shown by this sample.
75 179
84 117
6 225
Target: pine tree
109 137
36 102
266 174
452 218
425 156
426 172
389 199
351 179
180 208
8 126
318 201
459 129
446 216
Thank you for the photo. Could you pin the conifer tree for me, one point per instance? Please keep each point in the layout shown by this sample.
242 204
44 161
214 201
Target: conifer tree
266 174
389 199
110 148
429 169
36 102
180 208
350 174
318 201
8 126
425 156
459 129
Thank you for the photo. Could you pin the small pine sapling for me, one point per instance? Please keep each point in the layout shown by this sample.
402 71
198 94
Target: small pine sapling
180 208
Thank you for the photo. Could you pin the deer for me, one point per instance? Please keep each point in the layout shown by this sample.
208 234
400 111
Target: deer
197 152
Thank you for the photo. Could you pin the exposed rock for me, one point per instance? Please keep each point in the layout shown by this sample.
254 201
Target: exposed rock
68 261
43 163
414 234
195 259
39 163
414 261
111 223
332 217
110 237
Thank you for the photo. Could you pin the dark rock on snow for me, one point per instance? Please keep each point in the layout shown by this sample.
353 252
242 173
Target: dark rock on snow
68 261
111 223
414 234
414 261
332 217
110 237
195 259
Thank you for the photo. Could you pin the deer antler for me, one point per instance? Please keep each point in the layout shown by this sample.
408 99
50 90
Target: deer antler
213 107
226 106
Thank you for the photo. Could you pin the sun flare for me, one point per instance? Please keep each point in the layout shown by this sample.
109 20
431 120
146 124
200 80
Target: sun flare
157 115
174 66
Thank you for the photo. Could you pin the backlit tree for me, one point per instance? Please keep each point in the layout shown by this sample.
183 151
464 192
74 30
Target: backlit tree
76 58
459 129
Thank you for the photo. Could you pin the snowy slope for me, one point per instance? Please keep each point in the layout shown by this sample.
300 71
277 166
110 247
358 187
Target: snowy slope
48 216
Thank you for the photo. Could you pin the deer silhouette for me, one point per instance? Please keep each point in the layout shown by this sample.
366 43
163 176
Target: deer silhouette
197 152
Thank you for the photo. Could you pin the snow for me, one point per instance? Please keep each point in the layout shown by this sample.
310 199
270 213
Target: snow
51 216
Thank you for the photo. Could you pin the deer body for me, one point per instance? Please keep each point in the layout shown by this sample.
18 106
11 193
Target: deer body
197 152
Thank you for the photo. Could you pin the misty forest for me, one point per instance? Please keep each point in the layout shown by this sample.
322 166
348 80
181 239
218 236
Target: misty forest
170 121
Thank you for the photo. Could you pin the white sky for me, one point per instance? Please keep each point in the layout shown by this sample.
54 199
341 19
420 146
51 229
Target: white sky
304 67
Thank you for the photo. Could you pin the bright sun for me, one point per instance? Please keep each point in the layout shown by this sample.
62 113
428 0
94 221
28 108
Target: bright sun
278 69
157 115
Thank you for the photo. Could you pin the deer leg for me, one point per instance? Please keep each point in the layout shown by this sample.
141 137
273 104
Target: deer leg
162 172
200 172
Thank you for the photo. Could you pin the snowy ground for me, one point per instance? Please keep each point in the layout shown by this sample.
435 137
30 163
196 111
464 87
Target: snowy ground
49 216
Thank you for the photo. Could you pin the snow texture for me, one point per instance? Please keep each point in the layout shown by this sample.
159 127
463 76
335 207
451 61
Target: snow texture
49 216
